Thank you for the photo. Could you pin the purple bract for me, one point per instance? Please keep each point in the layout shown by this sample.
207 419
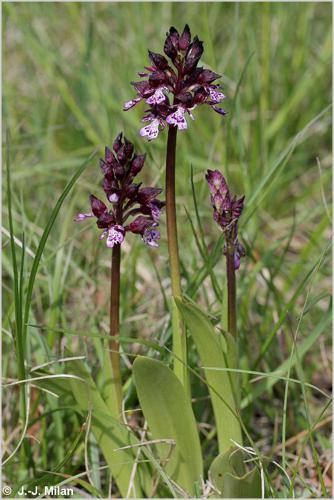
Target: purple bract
172 93
127 199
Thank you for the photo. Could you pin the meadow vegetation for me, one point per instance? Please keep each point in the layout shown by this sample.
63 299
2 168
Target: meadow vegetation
66 74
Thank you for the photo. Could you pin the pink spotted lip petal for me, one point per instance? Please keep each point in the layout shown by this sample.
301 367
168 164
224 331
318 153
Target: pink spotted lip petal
177 119
151 236
151 131
115 236
215 96
158 97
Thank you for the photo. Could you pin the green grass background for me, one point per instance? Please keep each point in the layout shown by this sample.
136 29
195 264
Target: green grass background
66 74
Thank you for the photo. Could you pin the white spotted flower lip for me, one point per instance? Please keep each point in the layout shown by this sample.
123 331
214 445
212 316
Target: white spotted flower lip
115 236
127 199
177 118
175 86
158 97
151 236
215 96
151 131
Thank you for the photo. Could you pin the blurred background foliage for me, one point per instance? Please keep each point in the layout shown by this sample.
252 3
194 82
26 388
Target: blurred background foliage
67 69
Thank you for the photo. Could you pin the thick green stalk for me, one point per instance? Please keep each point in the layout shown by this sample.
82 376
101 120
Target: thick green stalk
179 332
114 323
235 378
231 293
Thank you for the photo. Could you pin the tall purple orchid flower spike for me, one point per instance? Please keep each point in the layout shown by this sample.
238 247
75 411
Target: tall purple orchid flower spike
172 93
132 208
127 199
172 88
227 210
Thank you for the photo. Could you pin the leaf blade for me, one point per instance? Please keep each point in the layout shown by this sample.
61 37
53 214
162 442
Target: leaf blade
163 401
215 351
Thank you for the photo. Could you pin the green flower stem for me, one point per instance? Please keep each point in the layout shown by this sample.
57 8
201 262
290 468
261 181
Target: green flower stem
232 360
179 332
114 323
231 293
232 329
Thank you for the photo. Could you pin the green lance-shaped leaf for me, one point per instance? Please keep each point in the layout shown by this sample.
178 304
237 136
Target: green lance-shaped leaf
216 351
170 416
229 476
111 435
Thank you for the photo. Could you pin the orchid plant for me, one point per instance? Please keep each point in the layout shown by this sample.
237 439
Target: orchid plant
226 212
132 208
172 88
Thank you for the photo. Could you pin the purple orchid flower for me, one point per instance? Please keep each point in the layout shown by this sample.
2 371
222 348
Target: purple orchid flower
127 199
174 91
227 210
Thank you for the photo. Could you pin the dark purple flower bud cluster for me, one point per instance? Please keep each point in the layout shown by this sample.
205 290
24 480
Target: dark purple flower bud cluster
227 210
186 84
127 199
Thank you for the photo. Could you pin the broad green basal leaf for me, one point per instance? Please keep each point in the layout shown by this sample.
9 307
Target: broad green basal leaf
216 351
169 415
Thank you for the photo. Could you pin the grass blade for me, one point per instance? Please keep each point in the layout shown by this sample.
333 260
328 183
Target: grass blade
44 239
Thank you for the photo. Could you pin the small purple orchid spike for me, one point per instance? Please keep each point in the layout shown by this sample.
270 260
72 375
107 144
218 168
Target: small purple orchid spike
127 199
227 210
174 91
